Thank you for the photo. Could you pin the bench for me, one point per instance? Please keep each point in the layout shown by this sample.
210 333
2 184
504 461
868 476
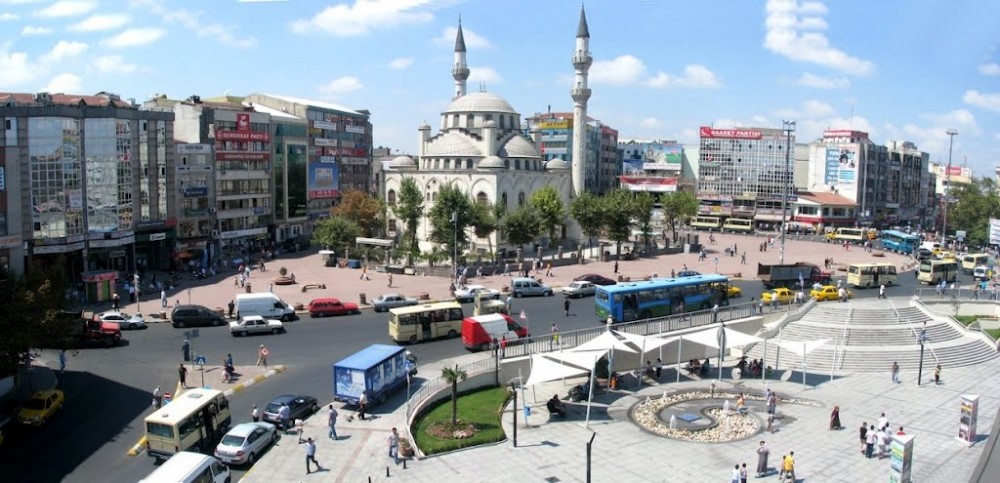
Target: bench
313 285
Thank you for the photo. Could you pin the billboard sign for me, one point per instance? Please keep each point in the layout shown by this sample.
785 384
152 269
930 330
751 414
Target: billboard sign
709 132
649 183
243 121
554 124
354 129
663 156
329 126
242 136
324 180
842 167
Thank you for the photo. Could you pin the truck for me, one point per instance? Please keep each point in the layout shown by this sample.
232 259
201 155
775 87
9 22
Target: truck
377 370
788 275
81 331
479 332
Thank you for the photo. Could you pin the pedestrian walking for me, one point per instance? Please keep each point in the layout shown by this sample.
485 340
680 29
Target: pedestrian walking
616 267
566 307
937 374
331 421
743 473
895 372
285 416
659 368
753 306
157 397
870 439
762 452
262 354
394 445
163 298
311 456
555 336
883 422
232 308
362 405
743 258
548 270
503 346
734 477
390 281
255 414
182 373
881 291
510 304
863 434
115 301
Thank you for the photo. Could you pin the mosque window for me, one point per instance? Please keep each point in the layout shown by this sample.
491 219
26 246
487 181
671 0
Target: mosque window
520 199
454 120
517 164
468 164
503 201
481 198
502 125
488 117
470 120
391 197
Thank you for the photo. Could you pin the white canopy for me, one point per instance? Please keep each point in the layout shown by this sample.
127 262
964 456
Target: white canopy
710 338
606 341
647 343
586 360
802 348
544 369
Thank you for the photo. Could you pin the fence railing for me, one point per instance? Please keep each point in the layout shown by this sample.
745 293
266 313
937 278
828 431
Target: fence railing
944 294
430 387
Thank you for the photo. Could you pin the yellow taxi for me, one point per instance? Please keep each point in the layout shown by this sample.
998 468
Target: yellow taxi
945 255
40 407
732 291
827 292
782 295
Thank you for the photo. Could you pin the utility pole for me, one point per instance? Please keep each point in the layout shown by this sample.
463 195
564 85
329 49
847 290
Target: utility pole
947 186
789 127
454 243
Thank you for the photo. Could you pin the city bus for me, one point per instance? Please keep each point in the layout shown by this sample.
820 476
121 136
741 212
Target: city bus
973 260
194 421
934 271
899 242
738 225
851 235
866 275
417 323
658 297
706 223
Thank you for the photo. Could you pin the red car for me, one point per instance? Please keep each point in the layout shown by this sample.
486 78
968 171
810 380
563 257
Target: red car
331 306
595 279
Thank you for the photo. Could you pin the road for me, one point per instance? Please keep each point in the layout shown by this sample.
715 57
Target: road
108 390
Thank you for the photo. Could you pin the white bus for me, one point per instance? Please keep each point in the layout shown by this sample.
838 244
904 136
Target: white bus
973 260
738 225
851 235
195 421
706 223
934 271
866 275
417 323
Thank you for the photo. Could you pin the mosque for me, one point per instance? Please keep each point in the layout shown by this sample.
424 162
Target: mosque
481 148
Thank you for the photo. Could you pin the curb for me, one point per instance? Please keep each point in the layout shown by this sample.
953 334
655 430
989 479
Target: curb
140 446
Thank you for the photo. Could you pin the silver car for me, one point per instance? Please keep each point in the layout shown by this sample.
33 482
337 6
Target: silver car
392 300
579 289
124 321
245 442
255 324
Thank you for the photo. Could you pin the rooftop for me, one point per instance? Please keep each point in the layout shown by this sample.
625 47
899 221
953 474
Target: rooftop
30 99
827 198
314 103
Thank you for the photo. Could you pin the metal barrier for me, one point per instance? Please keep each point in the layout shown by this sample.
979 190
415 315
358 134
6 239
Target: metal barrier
431 386
957 294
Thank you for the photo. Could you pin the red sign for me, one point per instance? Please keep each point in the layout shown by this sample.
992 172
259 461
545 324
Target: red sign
242 136
649 183
242 156
320 194
243 121
954 171
709 132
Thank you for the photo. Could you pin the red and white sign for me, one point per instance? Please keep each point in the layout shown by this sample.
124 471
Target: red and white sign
649 183
243 121
709 132
242 136
242 156
322 194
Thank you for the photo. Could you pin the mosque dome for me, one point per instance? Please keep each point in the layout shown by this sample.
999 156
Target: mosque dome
492 162
480 102
451 144
402 162
518 147
557 164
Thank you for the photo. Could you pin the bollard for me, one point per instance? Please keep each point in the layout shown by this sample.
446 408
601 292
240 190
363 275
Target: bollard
404 464
386 471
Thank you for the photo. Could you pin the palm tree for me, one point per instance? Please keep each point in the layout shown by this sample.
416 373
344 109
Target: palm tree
453 375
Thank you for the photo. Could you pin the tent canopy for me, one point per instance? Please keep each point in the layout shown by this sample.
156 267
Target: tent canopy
606 341
585 360
544 369
710 338
646 342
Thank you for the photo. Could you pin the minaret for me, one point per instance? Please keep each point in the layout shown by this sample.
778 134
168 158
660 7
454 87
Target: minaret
461 70
580 94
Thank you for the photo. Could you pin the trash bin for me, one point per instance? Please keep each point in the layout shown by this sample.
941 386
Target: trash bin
248 288
363 299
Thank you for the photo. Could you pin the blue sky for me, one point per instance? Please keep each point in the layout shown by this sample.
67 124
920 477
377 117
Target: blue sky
899 69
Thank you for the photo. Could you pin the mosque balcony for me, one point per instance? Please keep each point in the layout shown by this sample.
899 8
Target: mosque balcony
582 60
580 94
461 72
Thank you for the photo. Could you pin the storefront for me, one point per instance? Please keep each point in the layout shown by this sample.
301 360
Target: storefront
154 241
111 252
64 255
99 286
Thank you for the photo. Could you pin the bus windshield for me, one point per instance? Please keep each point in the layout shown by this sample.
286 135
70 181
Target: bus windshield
659 297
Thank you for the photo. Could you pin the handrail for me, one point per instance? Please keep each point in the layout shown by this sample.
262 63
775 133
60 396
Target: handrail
913 330
844 339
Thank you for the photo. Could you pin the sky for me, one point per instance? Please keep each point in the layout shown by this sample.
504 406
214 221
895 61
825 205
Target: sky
905 70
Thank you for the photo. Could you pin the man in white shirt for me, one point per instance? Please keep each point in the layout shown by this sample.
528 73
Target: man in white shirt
332 422
311 456
883 422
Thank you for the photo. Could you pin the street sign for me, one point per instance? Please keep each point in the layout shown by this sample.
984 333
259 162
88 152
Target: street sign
523 316
200 360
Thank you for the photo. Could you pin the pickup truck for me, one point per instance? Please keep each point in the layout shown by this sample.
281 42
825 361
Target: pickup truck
255 324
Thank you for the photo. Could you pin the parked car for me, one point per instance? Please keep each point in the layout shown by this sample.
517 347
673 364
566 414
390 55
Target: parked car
331 306
579 289
688 273
595 279
40 407
245 442
827 292
522 287
468 293
299 406
124 321
392 300
194 316
255 324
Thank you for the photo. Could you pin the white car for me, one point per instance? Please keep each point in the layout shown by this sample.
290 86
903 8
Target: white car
579 289
255 324
468 293
124 321
245 442
392 300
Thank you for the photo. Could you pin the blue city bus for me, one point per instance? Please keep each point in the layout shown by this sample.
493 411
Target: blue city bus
658 297
899 242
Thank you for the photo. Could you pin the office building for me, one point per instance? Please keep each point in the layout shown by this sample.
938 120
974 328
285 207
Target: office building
601 163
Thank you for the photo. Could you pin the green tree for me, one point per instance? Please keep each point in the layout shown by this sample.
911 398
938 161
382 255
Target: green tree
551 213
484 222
450 216
363 209
618 209
336 233
410 209
678 205
972 206
522 226
589 212
33 316
642 212
452 375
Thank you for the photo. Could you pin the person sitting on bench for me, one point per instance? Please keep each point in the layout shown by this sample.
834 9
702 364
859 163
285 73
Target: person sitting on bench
555 406
694 365
704 367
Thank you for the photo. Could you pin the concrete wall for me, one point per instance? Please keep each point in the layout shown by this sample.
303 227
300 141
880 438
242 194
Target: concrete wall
966 307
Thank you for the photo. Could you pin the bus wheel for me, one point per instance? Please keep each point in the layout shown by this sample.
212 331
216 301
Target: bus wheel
413 339
452 334
645 314
484 347
705 306
889 283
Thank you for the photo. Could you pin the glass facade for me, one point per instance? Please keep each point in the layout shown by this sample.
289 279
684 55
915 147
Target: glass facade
108 175
297 195
54 149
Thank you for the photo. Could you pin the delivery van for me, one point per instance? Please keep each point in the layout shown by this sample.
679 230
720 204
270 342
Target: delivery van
478 332
188 467
266 305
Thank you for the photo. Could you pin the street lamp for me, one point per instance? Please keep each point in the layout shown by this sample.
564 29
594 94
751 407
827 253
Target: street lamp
947 185
922 339
789 128
454 243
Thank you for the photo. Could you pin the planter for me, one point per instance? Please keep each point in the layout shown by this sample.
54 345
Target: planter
406 451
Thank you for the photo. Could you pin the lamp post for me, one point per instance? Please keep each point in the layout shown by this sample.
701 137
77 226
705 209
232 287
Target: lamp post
454 243
923 339
947 186
789 128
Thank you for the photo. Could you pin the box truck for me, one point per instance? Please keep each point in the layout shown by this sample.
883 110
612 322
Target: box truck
479 332
378 370
265 304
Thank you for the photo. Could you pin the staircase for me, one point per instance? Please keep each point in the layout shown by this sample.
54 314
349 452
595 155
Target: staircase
871 338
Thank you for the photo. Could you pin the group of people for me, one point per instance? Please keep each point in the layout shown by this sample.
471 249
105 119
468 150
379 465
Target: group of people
875 438
787 468
755 366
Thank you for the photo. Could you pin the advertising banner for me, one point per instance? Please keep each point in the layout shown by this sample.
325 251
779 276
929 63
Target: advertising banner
901 458
324 180
554 124
242 156
355 129
842 167
195 192
329 126
967 421
663 156
994 231
242 136
709 132
649 183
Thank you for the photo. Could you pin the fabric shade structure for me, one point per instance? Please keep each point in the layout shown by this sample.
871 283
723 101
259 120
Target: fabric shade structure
802 349
580 359
544 369
646 343
606 341
716 337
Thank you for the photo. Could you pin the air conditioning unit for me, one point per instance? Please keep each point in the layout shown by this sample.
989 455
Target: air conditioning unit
215 233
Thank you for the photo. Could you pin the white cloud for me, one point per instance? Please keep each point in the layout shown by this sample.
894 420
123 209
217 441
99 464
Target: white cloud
991 69
811 109
931 136
134 37
984 100
342 85
793 30
66 8
64 49
621 71
364 16
695 76
8 17
15 68
19 2
30 30
472 39
224 34
64 83
649 123
809 79
400 63
484 74
101 21
113 64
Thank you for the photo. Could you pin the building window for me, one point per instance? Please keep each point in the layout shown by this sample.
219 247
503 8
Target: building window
392 226
391 197
470 120
468 164
503 201
502 119
481 198
520 199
